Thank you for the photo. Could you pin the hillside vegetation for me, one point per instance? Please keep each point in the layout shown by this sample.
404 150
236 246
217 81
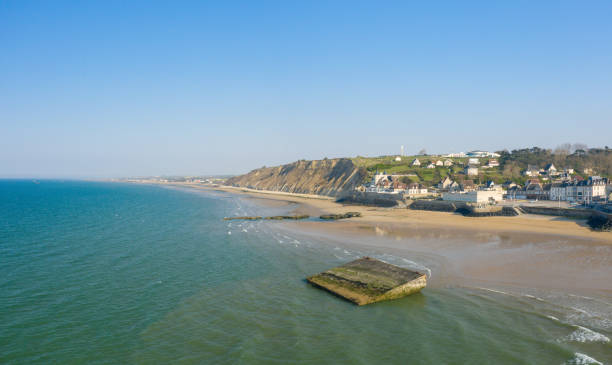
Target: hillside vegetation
585 162
332 177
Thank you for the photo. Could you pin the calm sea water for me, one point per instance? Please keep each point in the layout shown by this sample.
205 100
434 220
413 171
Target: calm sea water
117 273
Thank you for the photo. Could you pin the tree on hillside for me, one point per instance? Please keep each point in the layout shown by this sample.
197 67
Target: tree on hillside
563 149
511 170
578 146
406 180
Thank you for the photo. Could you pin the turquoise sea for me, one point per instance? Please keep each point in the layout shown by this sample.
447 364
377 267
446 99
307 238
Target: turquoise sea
112 273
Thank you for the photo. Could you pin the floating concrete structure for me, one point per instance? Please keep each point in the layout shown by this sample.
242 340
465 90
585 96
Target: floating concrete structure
367 280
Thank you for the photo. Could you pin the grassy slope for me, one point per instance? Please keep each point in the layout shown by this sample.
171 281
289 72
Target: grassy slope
422 174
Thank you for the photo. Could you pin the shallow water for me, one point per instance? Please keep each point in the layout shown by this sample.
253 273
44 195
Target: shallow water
117 273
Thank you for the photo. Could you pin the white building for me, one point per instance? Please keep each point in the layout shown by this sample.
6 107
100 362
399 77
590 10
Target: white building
416 189
473 161
587 190
477 196
456 155
482 154
493 163
416 162
431 166
558 191
471 170
448 163
581 192
532 171
550 170
398 159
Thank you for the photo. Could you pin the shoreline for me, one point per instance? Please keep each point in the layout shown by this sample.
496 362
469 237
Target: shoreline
315 205
527 250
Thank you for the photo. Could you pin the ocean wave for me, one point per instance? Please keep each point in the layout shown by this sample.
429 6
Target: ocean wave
583 334
418 266
582 359
497 291
533 297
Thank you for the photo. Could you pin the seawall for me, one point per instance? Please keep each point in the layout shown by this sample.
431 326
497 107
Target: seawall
560 212
372 199
463 208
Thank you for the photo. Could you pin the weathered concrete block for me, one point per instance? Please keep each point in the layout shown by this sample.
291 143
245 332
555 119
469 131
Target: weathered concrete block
368 280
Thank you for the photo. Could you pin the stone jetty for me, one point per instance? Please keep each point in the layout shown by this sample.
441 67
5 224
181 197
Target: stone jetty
340 216
275 217
367 280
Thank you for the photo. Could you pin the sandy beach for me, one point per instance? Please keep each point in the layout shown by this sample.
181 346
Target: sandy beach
416 220
528 251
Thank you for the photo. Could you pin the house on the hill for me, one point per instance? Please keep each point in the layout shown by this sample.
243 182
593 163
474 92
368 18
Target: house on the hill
448 163
445 183
398 159
492 163
470 170
415 162
439 163
473 161
468 185
532 171
431 165
550 170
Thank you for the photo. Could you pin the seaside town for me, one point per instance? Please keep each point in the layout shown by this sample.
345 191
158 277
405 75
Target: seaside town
570 176
475 177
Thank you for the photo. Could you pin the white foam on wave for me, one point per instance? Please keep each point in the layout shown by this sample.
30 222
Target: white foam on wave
581 296
497 291
533 297
582 359
244 230
580 310
583 334
418 266
553 318
229 233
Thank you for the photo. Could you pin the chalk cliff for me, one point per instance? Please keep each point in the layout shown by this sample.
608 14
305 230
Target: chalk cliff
331 177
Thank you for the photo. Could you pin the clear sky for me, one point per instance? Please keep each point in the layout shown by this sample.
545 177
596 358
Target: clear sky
125 88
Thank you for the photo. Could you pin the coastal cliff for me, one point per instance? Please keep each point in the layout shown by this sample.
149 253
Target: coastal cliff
331 177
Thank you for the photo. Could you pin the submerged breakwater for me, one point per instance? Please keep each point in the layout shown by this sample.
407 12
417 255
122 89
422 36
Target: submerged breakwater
118 273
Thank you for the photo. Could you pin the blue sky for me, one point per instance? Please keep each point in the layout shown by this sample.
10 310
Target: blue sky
115 88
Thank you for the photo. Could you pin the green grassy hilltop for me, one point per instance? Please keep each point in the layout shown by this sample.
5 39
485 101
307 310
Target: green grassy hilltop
512 164
421 174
